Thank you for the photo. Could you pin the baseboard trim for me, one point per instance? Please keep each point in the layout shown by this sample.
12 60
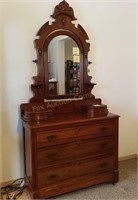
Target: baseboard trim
129 157
5 183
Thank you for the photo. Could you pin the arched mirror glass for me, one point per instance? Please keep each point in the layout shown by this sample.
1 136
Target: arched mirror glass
63 66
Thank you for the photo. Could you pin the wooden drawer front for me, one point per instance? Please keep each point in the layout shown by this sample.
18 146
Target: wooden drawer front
75 151
48 138
56 174
101 129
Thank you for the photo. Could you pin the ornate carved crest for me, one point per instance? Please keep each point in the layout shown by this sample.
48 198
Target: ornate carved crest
63 9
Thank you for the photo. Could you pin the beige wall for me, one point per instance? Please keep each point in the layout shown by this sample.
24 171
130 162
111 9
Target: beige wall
111 29
137 75
1 178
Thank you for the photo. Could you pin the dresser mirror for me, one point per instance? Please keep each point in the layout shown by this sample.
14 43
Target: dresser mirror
63 66
62 58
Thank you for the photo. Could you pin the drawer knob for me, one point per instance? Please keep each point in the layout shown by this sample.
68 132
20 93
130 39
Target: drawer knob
52 177
103 165
51 138
103 145
52 156
103 129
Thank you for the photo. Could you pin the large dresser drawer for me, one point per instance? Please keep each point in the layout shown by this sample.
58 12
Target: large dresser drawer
48 138
75 151
60 136
64 172
97 130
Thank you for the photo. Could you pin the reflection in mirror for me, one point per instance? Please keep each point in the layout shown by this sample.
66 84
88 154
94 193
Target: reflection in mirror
63 66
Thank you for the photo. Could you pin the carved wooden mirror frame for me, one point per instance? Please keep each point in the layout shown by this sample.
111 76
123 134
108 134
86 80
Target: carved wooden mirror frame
63 15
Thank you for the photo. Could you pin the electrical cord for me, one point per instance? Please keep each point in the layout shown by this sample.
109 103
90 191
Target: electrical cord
13 190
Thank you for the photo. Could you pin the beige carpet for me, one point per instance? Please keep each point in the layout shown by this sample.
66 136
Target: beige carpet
126 189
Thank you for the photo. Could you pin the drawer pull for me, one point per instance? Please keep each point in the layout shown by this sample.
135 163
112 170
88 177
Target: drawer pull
103 165
52 156
103 145
51 138
103 129
52 177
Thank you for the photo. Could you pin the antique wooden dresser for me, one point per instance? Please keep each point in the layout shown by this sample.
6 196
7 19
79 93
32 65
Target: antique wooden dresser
70 138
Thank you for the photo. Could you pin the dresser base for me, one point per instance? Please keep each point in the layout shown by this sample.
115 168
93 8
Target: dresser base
69 154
